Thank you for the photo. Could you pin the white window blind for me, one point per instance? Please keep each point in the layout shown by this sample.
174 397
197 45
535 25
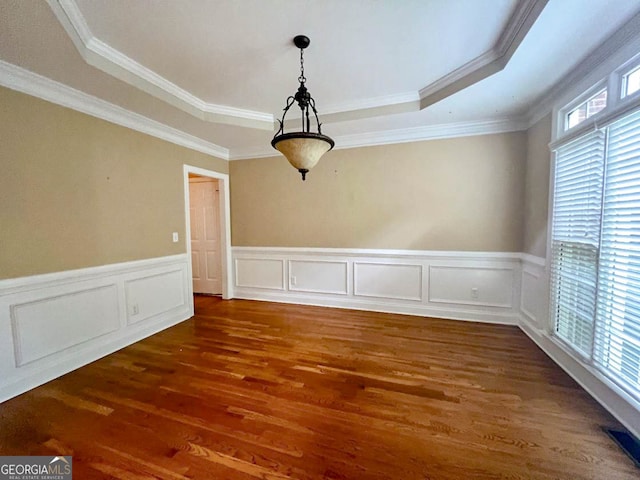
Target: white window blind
617 339
575 237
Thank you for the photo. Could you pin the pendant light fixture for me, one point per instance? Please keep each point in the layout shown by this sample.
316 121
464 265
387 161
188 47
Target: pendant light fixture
303 149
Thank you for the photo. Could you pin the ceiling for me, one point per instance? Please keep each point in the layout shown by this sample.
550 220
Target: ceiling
215 74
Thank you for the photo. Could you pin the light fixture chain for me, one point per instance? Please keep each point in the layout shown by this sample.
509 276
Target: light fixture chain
302 78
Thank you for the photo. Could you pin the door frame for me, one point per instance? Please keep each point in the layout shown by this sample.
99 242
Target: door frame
225 230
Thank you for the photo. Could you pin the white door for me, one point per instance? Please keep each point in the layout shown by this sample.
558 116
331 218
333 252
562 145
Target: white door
204 203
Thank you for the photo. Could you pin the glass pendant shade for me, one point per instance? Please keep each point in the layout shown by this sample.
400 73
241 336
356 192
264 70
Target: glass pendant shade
303 150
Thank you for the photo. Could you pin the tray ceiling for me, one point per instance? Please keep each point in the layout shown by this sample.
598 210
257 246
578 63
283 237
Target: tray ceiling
218 71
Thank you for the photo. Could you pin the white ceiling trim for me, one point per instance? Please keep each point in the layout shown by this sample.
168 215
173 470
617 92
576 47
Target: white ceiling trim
106 58
24 81
415 134
115 63
432 132
490 62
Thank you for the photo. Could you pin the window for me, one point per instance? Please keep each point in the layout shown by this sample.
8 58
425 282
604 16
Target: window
595 249
631 82
575 238
609 96
617 342
587 109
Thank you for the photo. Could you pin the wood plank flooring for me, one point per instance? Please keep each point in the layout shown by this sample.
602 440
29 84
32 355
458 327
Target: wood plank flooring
256 390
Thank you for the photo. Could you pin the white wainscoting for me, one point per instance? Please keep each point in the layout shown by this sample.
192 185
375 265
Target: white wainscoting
394 281
534 292
477 286
54 323
260 273
472 285
318 276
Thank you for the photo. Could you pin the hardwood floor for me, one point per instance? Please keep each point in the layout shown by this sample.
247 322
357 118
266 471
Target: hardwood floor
248 390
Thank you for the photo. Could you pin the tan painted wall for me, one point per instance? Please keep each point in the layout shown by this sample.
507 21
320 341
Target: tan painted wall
453 194
536 192
76 191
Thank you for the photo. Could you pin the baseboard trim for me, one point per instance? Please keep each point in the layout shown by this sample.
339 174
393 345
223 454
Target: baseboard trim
369 306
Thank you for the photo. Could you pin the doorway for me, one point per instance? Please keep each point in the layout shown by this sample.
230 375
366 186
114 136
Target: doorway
208 231
206 257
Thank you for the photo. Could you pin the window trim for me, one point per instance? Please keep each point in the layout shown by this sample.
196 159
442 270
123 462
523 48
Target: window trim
624 83
563 114
620 73
617 104
585 105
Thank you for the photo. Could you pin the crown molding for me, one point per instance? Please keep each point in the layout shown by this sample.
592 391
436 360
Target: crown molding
471 72
115 63
432 132
24 81
490 62
253 152
537 112
31 83
406 135
519 24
